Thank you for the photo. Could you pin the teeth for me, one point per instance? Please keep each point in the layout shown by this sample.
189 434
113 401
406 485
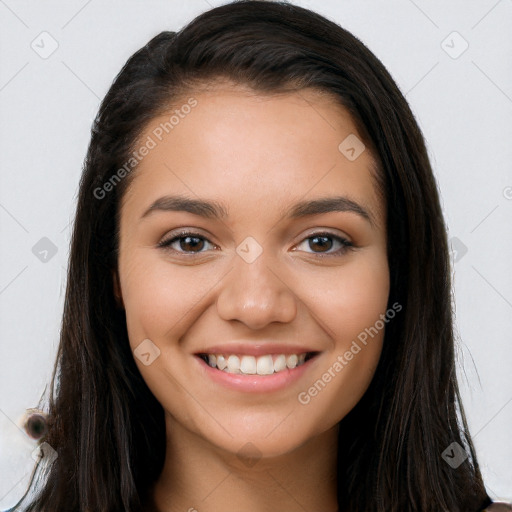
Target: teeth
292 360
221 362
280 363
265 365
250 365
233 364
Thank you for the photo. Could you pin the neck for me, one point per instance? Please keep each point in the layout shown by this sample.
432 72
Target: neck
200 477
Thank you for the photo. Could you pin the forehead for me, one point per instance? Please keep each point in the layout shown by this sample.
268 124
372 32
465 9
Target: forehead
243 146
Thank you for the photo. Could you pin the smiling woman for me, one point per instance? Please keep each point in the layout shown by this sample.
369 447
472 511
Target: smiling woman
241 335
258 310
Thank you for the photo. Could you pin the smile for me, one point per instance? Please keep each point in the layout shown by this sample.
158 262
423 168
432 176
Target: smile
267 364
255 374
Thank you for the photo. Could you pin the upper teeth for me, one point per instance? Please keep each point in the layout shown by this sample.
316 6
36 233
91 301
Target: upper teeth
262 365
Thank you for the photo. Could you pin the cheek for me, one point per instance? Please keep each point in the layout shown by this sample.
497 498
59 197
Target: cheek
351 301
361 301
146 298
351 310
160 298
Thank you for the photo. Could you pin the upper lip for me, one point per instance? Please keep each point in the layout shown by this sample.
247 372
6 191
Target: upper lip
252 348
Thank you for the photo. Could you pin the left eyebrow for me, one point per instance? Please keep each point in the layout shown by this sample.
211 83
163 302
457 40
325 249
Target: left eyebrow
327 205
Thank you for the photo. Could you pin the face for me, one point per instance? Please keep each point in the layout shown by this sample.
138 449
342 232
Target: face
284 272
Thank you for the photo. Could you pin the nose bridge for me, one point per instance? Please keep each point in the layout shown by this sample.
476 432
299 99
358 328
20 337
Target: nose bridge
254 292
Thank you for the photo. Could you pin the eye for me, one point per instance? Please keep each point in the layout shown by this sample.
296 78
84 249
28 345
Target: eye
325 242
187 242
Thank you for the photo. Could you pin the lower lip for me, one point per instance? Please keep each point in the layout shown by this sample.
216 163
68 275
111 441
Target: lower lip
255 383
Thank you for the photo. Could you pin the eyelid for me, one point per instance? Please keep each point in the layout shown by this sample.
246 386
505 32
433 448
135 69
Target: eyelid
326 231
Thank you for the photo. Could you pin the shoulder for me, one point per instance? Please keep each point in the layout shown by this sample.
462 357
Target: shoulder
498 507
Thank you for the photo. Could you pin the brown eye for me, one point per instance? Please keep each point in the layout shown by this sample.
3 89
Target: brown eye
185 243
191 243
322 243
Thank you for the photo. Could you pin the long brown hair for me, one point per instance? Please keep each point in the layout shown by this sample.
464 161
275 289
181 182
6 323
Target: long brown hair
104 423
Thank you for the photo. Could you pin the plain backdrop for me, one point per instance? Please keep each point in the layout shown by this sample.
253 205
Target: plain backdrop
453 62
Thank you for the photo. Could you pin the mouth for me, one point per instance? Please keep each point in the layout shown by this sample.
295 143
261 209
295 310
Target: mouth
263 365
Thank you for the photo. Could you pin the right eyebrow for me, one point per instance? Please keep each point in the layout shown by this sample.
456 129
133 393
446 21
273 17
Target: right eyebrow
201 207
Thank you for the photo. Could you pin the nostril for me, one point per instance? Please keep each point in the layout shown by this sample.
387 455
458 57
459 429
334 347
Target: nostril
36 425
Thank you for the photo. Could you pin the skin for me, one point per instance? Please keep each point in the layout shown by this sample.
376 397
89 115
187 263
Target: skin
255 154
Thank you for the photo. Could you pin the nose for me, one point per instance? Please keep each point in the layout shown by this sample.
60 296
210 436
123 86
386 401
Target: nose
256 294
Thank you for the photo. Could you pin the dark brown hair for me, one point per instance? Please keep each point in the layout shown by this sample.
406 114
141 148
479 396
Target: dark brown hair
104 422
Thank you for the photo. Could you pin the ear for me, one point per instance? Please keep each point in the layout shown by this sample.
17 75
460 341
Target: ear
117 290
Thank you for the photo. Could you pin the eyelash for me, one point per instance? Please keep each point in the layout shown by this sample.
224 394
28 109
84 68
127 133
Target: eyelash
346 244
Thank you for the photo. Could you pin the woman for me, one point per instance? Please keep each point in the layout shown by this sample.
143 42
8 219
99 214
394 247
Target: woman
258 309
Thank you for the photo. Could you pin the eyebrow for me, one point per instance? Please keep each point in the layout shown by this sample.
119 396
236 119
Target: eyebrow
328 205
201 207
215 210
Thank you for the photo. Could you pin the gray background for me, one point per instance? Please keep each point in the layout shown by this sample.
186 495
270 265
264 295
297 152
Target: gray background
461 97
